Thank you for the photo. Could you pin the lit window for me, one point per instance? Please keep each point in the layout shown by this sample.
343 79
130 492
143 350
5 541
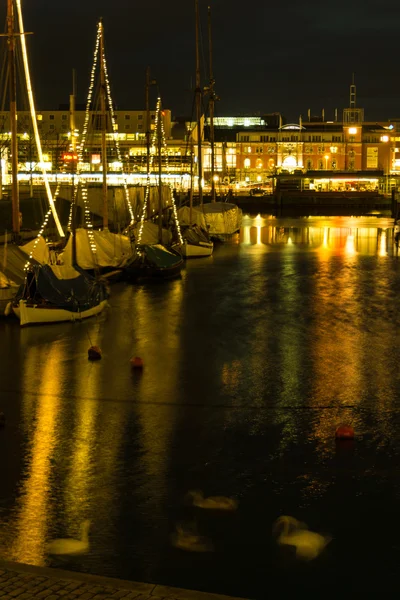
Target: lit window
246 163
385 138
249 149
352 130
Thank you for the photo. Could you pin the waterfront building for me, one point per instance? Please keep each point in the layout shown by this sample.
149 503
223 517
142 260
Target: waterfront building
347 154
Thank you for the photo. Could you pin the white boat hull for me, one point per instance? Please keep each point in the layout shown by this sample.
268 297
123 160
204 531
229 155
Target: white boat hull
196 250
35 314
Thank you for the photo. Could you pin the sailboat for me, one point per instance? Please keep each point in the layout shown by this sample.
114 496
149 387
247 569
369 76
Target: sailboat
49 293
154 261
196 240
222 218
98 251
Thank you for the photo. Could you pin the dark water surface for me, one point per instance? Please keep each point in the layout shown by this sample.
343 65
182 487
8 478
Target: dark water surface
252 360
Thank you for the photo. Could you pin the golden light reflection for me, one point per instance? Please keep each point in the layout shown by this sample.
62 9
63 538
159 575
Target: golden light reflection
350 247
326 237
382 243
33 504
351 235
158 382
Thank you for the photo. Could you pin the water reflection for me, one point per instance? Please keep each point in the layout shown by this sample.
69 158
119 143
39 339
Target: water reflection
251 361
367 235
34 508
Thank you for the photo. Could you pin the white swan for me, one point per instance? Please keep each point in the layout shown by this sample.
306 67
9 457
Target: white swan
308 544
70 545
212 502
189 540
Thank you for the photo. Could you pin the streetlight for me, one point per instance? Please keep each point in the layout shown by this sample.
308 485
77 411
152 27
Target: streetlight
326 157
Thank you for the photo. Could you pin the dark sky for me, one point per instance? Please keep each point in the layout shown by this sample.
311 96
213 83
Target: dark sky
268 56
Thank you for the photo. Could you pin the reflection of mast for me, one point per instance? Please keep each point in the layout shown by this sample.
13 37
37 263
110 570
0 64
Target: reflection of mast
103 127
13 119
212 104
198 106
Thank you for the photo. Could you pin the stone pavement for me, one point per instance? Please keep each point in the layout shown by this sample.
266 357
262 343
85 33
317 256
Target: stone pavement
26 582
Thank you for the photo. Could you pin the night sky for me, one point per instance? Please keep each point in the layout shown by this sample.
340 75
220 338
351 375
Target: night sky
283 57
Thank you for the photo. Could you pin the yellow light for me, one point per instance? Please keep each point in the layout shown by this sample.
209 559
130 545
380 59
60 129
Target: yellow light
384 138
326 156
352 130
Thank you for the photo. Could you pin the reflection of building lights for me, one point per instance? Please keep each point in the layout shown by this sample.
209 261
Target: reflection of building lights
325 240
350 244
382 244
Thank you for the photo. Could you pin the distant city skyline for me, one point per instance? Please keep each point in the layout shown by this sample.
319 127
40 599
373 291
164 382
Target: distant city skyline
264 60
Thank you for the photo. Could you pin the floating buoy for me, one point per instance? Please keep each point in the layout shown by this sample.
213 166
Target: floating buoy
344 432
2 419
94 353
137 363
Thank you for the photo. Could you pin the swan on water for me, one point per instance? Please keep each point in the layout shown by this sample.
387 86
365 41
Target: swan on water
212 502
188 539
71 545
291 532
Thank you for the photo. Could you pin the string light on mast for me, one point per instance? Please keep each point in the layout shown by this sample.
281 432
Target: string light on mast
115 136
34 120
164 149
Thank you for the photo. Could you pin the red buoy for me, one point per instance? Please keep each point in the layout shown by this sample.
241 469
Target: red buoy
137 363
94 353
344 432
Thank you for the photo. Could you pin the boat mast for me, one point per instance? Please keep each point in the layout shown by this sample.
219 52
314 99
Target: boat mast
72 112
212 105
13 120
159 140
147 103
73 165
103 92
198 106
191 179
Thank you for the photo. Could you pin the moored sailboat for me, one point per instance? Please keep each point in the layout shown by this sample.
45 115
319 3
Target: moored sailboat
154 261
56 293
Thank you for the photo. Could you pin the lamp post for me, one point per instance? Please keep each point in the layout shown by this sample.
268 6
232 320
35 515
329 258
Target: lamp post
326 157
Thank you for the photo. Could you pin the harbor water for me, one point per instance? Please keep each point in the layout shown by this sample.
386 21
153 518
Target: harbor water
252 359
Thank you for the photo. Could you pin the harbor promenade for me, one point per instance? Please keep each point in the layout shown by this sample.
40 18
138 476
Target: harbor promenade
23 582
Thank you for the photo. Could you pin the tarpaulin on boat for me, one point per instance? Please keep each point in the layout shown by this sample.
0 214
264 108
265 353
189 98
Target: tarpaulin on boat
111 249
39 249
160 256
150 233
222 218
198 217
61 286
